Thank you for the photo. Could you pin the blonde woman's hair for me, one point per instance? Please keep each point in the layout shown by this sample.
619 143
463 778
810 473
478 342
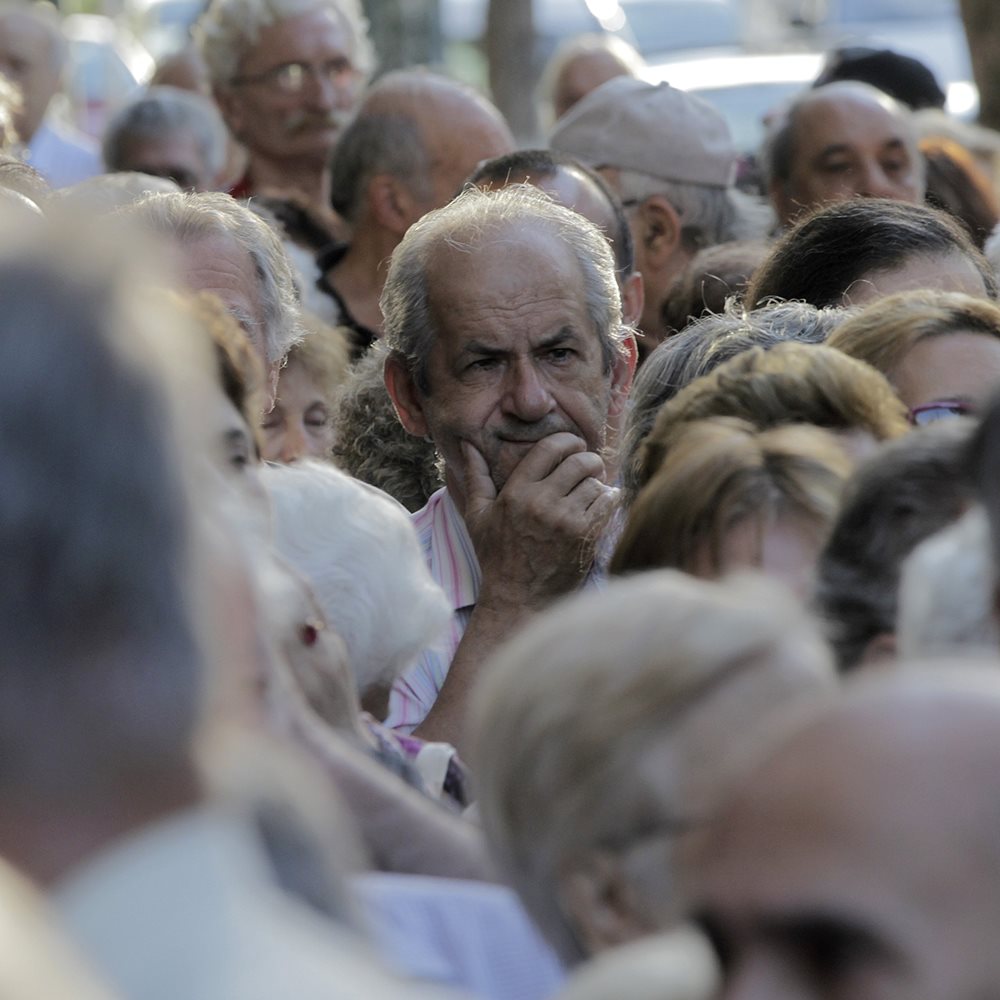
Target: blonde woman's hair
883 333
723 472
788 384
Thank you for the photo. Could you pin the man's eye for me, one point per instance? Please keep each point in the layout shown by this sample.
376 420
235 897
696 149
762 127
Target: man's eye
560 354
895 166
317 418
483 365
837 167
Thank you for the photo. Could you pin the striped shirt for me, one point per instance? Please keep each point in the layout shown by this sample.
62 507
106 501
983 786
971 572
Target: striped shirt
454 566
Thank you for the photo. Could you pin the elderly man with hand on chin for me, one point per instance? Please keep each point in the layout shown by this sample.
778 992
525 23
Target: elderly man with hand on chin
508 350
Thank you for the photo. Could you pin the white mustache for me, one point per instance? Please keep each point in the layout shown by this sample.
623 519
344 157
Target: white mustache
301 121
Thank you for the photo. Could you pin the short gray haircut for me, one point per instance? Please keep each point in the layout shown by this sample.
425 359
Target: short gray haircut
358 550
161 111
708 214
101 678
473 218
188 218
377 144
586 726
228 28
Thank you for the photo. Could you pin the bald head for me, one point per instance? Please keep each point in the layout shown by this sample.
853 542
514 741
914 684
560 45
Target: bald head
840 141
426 133
32 54
863 859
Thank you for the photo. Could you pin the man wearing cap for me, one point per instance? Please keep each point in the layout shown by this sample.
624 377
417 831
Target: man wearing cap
671 159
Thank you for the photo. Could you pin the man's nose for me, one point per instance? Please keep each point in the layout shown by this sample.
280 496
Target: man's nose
293 444
876 183
526 393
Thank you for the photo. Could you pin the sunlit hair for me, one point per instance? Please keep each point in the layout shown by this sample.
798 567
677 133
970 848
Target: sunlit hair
359 552
883 333
477 218
188 218
707 343
228 28
589 730
789 384
720 474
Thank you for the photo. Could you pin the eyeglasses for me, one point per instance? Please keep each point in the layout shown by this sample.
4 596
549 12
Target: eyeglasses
941 409
292 77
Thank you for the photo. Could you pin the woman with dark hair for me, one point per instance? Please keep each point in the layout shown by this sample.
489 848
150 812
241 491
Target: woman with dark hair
854 252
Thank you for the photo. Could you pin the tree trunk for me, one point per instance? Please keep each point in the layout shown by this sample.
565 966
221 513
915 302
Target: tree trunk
404 32
982 27
510 50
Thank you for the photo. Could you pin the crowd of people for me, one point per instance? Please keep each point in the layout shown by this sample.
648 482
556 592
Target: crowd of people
439 565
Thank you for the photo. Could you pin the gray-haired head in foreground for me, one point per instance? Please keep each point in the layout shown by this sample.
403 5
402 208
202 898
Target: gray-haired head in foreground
193 217
589 729
699 349
164 111
228 28
100 674
474 220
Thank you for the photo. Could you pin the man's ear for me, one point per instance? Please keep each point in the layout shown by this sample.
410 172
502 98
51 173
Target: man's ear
633 298
786 208
406 397
391 204
621 376
599 903
661 231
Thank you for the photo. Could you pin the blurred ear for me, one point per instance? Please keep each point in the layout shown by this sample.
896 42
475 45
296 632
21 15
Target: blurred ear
633 298
660 231
599 903
391 204
406 397
621 376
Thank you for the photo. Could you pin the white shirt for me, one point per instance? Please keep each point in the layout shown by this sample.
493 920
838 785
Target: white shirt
63 156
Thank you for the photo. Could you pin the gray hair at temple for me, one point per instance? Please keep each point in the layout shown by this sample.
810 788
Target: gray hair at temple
192 217
100 683
471 219
162 111
229 27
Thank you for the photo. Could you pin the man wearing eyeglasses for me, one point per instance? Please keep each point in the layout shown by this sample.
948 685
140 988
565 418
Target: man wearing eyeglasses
286 76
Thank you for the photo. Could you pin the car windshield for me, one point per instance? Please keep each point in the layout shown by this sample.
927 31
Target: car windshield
849 11
681 24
